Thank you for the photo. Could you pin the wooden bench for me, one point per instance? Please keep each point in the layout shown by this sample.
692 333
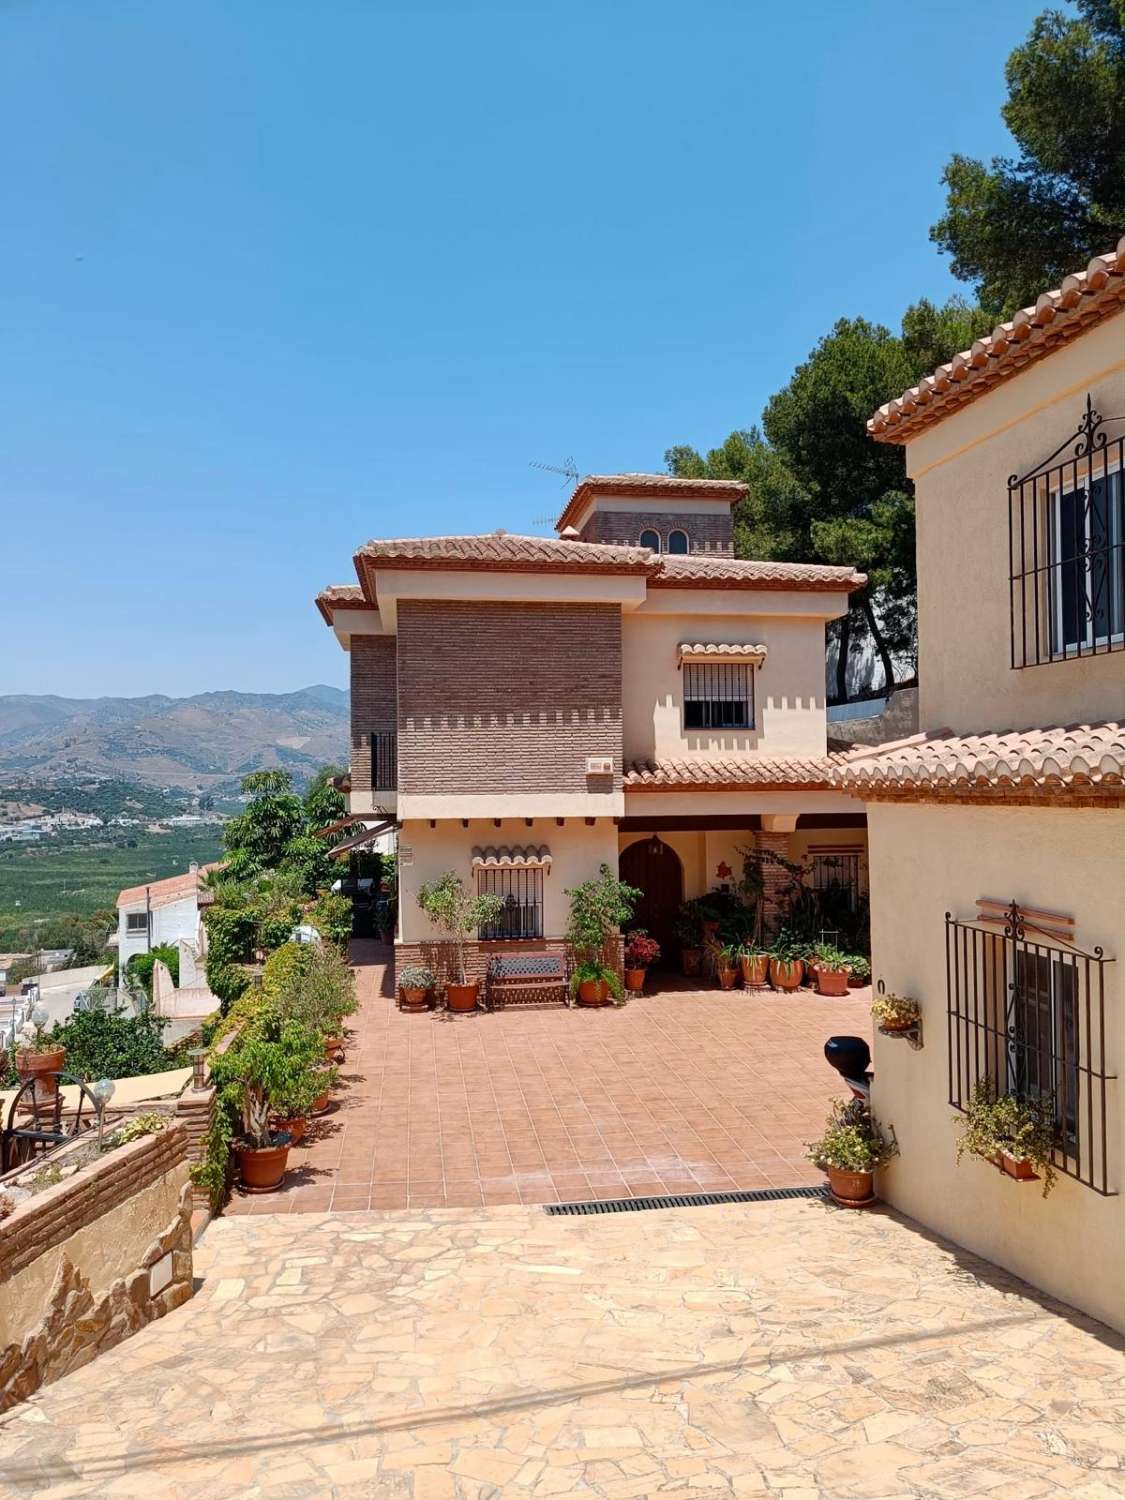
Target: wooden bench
526 979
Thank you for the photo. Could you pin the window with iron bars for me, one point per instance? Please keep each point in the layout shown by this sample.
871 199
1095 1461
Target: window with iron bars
1026 1013
718 695
384 762
836 869
521 890
1066 549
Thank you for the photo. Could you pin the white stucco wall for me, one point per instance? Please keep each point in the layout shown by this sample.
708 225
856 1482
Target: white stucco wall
170 923
925 861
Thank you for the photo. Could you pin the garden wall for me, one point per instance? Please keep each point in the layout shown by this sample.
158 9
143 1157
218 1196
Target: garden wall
87 1262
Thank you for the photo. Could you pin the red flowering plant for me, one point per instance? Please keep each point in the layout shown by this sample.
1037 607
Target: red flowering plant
640 950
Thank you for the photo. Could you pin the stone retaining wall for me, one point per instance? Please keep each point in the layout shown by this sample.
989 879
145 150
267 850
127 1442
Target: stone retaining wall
87 1262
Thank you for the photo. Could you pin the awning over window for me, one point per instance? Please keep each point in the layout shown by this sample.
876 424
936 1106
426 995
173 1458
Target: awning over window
511 857
717 651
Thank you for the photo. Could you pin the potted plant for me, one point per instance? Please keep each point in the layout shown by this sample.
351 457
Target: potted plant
895 1012
726 966
1017 1135
271 1062
859 971
754 963
689 935
830 969
314 984
640 952
598 909
851 1149
787 967
416 981
457 913
40 1057
593 982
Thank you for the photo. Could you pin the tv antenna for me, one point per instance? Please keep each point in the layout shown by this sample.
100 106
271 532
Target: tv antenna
568 469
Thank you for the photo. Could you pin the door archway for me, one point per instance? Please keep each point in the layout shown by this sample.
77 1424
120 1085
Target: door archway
655 868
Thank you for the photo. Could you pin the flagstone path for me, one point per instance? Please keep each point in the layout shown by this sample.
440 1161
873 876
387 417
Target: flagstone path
682 1091
789 1349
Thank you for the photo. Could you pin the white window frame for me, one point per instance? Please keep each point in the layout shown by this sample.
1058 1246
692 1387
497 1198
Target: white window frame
136 923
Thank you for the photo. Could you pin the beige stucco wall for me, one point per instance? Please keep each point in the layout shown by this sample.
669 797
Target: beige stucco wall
925 861
961 469
425 853
110 1247
789 705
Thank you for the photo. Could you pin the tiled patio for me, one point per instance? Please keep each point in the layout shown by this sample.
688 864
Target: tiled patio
676 1092
785 1350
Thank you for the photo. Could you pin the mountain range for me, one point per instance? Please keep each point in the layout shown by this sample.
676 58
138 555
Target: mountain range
203 743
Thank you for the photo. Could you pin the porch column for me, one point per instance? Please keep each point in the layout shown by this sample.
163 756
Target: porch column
774 836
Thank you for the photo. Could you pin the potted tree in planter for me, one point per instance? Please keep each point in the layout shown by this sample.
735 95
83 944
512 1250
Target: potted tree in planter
689 935
726 965
787 967
416 981
458 914
1015 1134
640 952
598 908
270 1064
851 1150
830 968
313 984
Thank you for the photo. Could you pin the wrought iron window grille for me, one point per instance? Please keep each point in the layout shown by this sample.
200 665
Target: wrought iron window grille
718 695
1026 1012
384 762
1066 548
521 890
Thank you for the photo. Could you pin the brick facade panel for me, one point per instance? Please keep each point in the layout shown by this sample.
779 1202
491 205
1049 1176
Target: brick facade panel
706 533
507 697
373 699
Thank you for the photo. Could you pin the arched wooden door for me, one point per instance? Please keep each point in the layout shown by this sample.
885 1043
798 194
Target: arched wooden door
655 868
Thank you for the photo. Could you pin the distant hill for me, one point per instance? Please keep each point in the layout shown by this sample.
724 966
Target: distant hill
204 743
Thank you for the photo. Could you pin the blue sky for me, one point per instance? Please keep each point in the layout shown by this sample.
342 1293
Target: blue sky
277 277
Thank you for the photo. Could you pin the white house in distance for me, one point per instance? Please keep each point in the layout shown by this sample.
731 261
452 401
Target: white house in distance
163 911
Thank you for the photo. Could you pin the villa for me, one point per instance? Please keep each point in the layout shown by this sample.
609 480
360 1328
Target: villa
997 878
627 693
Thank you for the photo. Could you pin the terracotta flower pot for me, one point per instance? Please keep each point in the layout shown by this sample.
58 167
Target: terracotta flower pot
755 970
1016 1166
727 978
415 999
261 1168
332 1045
831 981
691 961
40 1065
898 1024
593 992
294 1126
786 973
634 979
855 982
462 996
851 1189
321 1102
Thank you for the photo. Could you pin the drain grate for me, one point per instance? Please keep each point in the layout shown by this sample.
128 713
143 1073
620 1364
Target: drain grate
681 1200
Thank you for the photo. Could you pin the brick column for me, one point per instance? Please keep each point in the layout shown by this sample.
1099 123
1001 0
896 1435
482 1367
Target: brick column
774 837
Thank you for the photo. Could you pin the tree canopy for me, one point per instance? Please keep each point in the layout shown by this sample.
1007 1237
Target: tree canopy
1019 225
820 490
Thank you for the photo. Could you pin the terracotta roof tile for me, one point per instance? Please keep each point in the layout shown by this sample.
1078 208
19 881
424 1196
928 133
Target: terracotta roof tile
340 595
731 773
510 856
163 892
705 570
498 550
644 486
1083 300
720 651
1071 760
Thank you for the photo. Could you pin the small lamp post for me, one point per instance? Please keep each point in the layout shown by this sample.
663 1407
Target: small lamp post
39 1017
198 1057
103 1092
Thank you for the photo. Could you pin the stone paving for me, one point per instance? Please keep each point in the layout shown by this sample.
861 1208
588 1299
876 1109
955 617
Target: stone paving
787 1349
674 1092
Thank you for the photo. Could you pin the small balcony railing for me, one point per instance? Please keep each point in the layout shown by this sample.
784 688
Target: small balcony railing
384 762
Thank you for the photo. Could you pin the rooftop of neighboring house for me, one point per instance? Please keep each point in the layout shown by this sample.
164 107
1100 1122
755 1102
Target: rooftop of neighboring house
165 892
1084 299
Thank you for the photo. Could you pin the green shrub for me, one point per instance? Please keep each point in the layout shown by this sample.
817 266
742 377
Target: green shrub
102 1044
139 968
852 1140
331 915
